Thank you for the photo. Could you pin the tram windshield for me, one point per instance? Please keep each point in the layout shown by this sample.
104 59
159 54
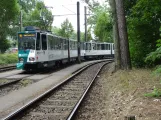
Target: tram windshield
26 41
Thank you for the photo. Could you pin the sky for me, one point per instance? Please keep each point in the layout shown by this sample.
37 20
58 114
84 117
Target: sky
63 7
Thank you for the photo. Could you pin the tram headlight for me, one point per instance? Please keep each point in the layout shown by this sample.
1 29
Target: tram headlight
31 59
21 60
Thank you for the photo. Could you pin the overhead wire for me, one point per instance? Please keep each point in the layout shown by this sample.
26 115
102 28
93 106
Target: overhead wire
68 9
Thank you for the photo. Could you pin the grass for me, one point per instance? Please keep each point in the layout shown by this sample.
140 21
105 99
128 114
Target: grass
8 58
140 80
156 93
157 90
3 81
25 82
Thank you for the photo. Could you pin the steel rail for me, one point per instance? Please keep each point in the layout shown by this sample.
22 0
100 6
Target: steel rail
85 92
2 69
9 83
30 103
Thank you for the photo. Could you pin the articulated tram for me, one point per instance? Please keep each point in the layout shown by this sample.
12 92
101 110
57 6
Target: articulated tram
39 49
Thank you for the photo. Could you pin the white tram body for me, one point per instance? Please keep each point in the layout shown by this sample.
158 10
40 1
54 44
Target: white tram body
38 49
99 49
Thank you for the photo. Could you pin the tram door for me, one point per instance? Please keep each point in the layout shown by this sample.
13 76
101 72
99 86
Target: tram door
42 54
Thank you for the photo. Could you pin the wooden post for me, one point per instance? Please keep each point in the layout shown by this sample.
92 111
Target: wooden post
129 117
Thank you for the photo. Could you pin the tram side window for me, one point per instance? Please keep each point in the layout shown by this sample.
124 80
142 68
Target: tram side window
70 45
82 45
76 45
61 44
98 46
44 42
49 42
109 46
106 46
94 46
38 44
102 46
56 43
88 46
52 43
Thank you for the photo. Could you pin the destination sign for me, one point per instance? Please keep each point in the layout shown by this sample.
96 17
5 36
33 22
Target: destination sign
29 35
26 35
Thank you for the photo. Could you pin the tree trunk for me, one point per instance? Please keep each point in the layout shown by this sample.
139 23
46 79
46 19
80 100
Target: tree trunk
123 36
115 35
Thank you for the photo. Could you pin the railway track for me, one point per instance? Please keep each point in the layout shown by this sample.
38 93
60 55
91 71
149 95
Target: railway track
17 81
62 101
3 69
14 82
9 82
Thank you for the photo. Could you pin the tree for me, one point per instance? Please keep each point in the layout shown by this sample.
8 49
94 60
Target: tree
66 29
100 21
123 36
27 5
115 34
40 17
55 30
8 11
103 28
143 22
89 36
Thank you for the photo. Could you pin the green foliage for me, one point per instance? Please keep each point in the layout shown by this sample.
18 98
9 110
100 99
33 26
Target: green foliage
156 93
27 5
66 29
58 32
96 9
8 58
55 30
153 58
100 21
74 36
8 13
143 17
40 17
157 71
4 45
103 28
34 13
89 36
158 43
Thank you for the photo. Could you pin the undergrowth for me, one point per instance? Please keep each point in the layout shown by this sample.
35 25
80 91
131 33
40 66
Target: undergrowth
156 93
8 58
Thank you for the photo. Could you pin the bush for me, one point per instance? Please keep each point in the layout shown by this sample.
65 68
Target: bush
156 93
8 58
154 57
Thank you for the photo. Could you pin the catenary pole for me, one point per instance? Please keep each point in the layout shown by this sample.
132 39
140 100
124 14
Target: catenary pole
85 23
78 31
20 20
